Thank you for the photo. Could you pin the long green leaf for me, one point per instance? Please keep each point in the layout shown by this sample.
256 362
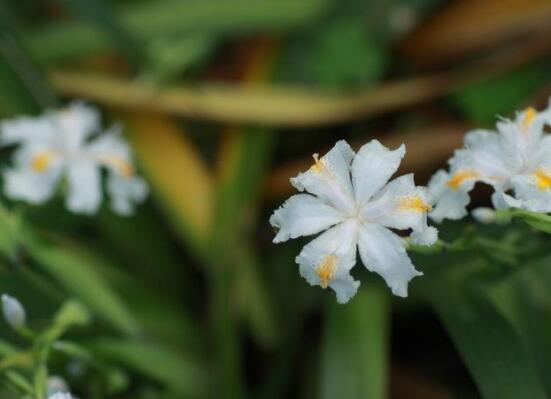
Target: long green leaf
494 353
76 271
24 88
525 298
355 347
179 374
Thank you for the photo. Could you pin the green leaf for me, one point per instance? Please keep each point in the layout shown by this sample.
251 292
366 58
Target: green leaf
77 272
318 57
180 374
19 381
24 89
172 56
502 94
148 19
99 12
525 298
71 314
537 220
355 347
494 353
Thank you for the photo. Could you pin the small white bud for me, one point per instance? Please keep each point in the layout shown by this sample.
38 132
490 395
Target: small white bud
484 215
56 384
14 313
60 395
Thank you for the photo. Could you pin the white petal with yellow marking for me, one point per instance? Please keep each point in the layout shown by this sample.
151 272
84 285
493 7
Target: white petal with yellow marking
326 261
329 178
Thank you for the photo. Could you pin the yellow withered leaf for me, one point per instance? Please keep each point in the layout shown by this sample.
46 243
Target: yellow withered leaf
177 175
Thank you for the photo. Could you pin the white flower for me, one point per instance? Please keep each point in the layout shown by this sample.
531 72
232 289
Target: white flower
56 385
515 161
60 395
67 145
484 215
13 311
354 205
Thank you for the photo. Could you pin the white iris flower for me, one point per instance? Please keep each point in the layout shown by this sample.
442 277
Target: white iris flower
355 206
67 144
60 395
515 161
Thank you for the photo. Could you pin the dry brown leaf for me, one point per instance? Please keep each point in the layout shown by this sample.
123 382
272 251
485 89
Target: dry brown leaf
462 28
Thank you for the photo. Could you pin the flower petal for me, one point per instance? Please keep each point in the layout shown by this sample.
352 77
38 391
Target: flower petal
84 191
399 205
329 178
77 123
426 236
487 156
125 192
32 187
302 215
383 252
26 129
372 167
450 200
326 261
502 200
532 191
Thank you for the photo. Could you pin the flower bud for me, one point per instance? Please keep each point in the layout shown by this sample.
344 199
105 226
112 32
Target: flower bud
14 313
484 215
60 395
56 385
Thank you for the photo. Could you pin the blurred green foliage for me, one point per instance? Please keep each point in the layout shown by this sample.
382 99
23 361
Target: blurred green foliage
189 298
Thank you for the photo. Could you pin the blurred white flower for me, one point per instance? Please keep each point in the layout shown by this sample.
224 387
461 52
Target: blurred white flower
60 395
66 144
13 311
355 206
515 161
56 385
484 215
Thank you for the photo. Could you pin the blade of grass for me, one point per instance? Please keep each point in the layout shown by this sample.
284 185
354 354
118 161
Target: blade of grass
494 353
182 375
24 89
78 274
524 298
354 360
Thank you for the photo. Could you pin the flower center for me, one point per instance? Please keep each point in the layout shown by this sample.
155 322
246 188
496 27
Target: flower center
528 118
413 203
317 167
42 160
326 269
459 177
543 180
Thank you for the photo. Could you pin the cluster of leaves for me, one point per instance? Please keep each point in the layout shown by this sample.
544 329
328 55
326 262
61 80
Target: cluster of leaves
189 298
